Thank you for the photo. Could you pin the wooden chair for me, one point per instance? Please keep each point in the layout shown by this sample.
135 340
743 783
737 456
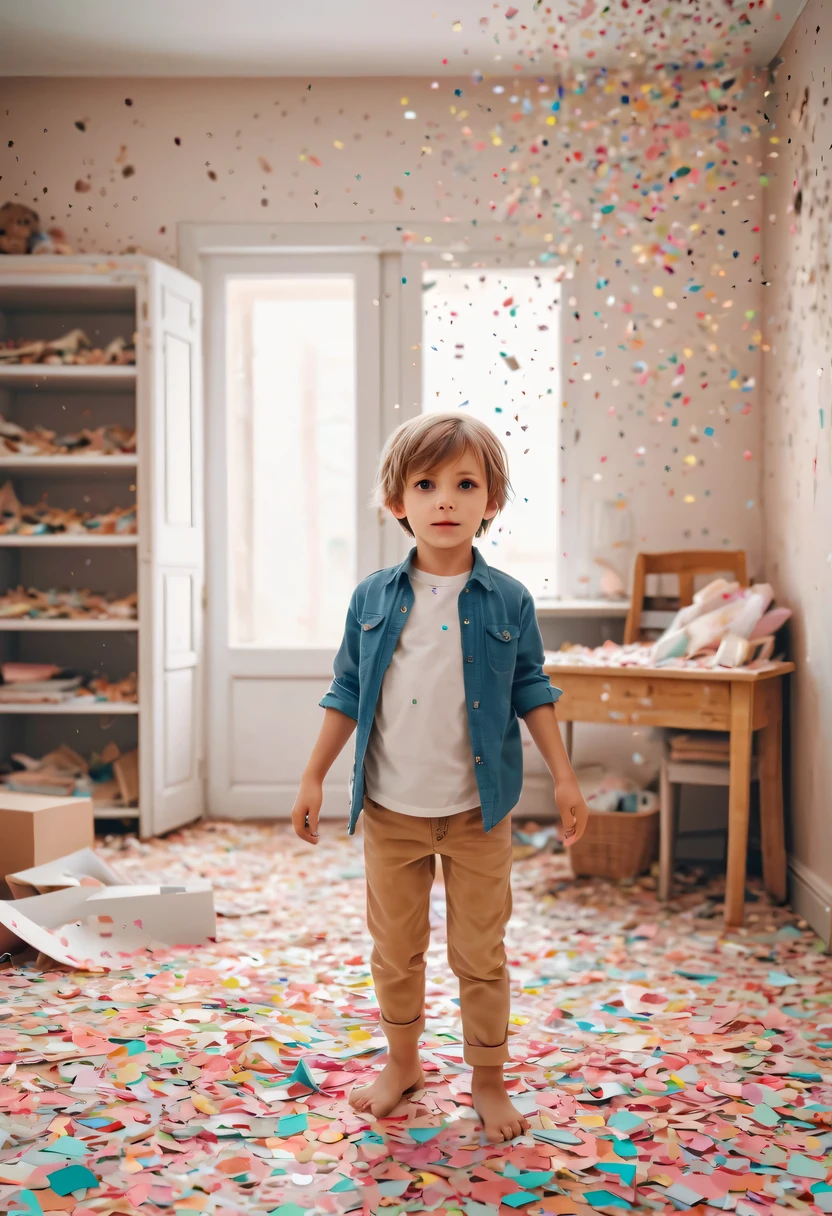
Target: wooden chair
686 565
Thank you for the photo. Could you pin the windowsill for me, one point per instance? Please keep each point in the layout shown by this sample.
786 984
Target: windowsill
609 609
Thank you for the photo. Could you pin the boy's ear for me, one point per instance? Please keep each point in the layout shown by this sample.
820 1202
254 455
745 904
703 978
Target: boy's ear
397 509
492 509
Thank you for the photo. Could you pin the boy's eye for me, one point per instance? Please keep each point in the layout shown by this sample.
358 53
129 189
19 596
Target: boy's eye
423 484
465 483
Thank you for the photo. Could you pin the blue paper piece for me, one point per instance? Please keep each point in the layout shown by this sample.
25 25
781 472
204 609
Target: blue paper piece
528 1178
804 1167
288 1209
519 1199
554 1135
393 1188
779 979
605 1199
624 1120
30 1202
346 1184
67 1146
304 1077
72 1178
422 1134
290 1125
626 1173
763 1113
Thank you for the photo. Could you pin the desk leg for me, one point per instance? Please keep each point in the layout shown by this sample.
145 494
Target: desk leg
739 796
771 804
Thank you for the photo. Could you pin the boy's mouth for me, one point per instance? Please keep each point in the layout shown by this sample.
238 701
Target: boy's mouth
445 523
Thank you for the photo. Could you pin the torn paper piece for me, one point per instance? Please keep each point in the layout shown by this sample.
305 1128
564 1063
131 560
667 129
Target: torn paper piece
103 926
69 871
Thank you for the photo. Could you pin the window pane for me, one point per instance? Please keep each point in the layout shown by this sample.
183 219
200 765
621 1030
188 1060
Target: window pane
292 466
490 347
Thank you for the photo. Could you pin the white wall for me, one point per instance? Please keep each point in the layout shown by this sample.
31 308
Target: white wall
798 432
245 153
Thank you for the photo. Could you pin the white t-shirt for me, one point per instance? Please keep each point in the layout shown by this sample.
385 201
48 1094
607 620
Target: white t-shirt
419 759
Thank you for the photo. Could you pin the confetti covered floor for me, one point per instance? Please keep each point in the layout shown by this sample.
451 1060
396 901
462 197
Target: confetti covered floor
663 1064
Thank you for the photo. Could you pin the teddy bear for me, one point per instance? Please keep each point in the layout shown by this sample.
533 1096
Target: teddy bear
20 232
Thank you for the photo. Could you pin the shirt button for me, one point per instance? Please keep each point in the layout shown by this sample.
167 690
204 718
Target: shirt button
366 627
467 589
470 658
465 622
404 608
506 635
478 759
476 705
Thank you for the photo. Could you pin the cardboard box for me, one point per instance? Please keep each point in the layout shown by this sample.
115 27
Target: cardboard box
36 828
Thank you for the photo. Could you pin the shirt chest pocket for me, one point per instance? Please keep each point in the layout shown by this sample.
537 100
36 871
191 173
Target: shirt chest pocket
370 635
501 645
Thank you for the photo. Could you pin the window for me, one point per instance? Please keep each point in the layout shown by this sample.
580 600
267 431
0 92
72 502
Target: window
291 411
490 347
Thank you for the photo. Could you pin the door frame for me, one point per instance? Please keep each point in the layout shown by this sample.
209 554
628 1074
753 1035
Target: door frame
399 248
400 324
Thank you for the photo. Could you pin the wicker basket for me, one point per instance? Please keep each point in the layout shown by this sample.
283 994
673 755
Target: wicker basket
616 844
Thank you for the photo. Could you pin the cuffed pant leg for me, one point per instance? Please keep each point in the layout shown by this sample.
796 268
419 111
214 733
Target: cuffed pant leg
400 866
477 870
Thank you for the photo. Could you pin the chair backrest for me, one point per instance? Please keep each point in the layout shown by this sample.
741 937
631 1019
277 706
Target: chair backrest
686 565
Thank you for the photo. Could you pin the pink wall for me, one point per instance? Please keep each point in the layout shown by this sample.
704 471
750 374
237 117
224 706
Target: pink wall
798 418
649 364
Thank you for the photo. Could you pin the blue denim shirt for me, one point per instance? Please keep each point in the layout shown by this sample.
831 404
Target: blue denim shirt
502 665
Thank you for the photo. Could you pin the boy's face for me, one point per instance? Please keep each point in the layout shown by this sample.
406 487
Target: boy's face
446 506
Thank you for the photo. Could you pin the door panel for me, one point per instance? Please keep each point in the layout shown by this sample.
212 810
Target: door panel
294 434
172 553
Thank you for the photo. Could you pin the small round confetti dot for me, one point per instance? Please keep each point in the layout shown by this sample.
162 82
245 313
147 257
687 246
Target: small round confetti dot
413 702
444 626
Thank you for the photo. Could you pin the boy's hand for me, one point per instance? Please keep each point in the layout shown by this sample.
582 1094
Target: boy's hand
574 812
306 810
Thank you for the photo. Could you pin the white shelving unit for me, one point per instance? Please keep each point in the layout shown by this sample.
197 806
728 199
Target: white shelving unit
57 540
82 465
24 625
161 396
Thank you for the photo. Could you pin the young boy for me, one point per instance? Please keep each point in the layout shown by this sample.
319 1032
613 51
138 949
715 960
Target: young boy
440 657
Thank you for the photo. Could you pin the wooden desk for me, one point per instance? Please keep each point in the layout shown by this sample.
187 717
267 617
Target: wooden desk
739 701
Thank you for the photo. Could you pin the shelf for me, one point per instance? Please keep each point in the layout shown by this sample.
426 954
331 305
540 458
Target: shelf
66 464
58 376
62 540
115 812
80 288
582 608
86 706
36 625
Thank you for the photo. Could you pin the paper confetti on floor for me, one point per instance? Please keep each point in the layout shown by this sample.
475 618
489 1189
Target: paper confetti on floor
663 1063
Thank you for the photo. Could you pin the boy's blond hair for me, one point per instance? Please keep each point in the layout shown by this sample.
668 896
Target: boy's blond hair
428 442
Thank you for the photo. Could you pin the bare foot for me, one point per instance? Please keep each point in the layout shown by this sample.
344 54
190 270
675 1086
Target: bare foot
501 1120
394 1081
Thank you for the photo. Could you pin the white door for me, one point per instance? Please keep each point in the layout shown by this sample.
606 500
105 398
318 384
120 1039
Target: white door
294 432
172 550
486 342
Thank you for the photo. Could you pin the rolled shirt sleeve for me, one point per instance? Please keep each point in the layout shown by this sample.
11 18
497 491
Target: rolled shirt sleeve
531 686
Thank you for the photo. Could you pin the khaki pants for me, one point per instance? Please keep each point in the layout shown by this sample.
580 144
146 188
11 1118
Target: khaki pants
400 860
